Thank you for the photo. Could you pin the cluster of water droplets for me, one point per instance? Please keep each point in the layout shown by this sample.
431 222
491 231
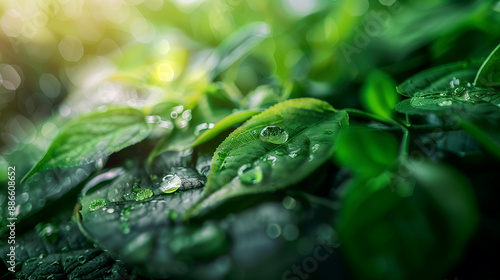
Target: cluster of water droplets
459 92
178 118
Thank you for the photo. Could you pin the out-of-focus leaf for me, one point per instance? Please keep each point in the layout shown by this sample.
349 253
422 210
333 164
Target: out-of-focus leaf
263 97
489 73
92 137
237 46
42 191
272 150
441 78
366 152
67 254
484 130
379 94
410 225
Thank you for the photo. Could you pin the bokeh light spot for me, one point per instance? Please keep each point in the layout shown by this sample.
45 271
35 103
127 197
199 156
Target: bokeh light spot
71 48
12 23
165 72
49 130
9 77
50 85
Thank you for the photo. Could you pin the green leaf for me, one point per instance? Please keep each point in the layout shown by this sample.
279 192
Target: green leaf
237 46
484 130
463 101
92 137
489 73
63 254
223 125
272 150
410 225
366 152
440 78
379 94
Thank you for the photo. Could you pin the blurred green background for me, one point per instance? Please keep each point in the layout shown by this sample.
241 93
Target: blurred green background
62 58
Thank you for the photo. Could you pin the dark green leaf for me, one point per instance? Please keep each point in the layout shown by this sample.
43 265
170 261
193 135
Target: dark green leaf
273 150
366 152
379 94
484 130
441 78
66 254
410 225
92 137
42 191
489 73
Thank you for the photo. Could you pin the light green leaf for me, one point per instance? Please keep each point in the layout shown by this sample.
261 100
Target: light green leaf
92 137
441 78
489 73
272 150
222 125
411 225
379 94
237 46
366 152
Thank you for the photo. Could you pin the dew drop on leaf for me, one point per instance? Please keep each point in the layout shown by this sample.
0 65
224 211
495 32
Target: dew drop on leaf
152 119
97 204
81 259
170 183
250 174
273 134
202 127
445 103
143 194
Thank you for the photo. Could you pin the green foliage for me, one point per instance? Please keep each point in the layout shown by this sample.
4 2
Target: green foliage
409 225
489 73
252 161
366 152
379 94
92 137
213 149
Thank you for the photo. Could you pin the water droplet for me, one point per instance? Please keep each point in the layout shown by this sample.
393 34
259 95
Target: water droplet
97 204
273 134
170 183
199 129
273 231
445 103
271 159
315 148
187 115
250 174
124 216
68 259
174 115
152 119
454 82
82 259
328 132
143 194
64 249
